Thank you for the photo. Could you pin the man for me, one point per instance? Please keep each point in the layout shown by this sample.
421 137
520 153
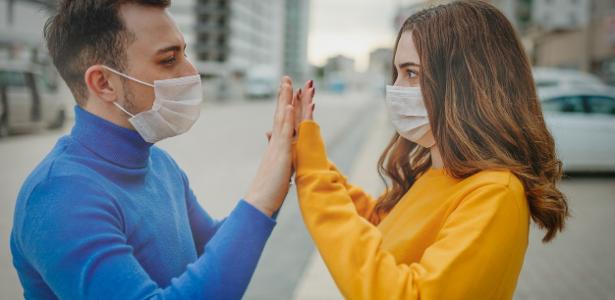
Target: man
108 215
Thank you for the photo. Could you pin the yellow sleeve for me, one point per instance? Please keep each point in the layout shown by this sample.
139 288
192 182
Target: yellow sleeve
468 259
363 202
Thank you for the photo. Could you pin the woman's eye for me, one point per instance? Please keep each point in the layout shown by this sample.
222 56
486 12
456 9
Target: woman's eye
411 74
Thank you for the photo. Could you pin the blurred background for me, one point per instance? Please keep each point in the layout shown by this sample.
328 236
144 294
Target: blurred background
242 48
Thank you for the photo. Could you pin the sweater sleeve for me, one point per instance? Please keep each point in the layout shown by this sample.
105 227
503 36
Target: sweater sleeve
203 226
364 203
467 260
73 236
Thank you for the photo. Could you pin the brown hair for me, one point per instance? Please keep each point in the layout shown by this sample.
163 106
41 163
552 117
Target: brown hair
86 32
483 110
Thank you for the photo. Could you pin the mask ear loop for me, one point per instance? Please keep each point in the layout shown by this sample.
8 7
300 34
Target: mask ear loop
126 76
131 78
122 109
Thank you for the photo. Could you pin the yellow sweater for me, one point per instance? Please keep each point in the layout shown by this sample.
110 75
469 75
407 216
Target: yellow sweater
445 239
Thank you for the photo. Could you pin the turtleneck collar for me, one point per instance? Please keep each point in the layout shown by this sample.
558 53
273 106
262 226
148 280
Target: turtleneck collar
116 144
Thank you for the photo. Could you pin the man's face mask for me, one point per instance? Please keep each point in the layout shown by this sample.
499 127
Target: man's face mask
176 107
408 114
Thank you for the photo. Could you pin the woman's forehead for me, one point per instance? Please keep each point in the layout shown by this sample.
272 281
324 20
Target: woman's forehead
406 51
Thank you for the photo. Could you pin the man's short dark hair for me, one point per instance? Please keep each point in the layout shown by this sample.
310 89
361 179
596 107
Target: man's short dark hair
82 33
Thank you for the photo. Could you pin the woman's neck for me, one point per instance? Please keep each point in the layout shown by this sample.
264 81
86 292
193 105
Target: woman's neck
436 158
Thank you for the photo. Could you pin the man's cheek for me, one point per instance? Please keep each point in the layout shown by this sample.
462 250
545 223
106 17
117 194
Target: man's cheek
143 97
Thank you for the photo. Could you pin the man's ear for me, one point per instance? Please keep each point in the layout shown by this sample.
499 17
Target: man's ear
100 84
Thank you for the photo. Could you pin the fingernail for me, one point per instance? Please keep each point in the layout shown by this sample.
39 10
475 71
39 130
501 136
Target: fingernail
311 83
313 92
299 92
313 106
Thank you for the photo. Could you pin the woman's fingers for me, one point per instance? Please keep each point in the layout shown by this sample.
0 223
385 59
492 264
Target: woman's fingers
308 101
297 107
268 134
310 113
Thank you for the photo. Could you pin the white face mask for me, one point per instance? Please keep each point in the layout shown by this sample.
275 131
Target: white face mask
408 114
176 107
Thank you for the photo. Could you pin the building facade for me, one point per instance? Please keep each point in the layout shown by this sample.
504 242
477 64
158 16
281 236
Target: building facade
568 34
233 37
296 39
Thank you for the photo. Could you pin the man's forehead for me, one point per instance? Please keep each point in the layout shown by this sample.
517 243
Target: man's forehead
152 27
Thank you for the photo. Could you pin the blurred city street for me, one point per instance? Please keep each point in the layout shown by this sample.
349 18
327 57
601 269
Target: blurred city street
241 49
220 156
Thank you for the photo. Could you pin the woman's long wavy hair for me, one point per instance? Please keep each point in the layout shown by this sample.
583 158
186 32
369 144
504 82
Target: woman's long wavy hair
483 109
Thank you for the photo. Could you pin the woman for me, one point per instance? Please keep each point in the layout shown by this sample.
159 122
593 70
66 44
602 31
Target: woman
470 164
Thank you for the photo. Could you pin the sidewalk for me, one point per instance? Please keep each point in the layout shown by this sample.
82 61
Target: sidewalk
316 282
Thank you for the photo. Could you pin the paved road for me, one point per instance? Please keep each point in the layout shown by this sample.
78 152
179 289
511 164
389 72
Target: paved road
580 263
220 156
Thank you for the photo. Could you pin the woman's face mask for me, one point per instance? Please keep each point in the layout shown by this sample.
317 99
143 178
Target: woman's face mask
176 107
408 114
404 100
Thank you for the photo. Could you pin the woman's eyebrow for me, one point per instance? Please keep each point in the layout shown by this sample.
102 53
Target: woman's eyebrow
408 64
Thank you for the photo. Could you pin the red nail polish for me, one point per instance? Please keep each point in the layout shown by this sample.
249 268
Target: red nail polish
313 92
311 83
299 92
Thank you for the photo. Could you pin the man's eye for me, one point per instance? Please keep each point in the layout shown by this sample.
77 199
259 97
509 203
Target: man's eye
169 60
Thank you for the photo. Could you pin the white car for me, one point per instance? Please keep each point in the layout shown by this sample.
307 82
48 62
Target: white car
582 121
563 78
27 101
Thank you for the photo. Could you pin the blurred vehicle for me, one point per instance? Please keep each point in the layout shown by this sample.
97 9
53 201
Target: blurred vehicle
553 77
261 83
27 101
582 121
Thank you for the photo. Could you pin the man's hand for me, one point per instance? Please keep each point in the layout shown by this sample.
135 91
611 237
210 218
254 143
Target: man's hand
270 186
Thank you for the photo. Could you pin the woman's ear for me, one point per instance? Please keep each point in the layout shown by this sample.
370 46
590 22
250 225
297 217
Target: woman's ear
100 84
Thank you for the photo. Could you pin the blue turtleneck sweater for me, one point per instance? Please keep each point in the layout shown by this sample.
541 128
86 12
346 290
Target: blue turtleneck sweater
107 215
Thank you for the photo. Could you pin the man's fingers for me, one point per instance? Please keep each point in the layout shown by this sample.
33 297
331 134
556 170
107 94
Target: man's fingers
288 126
285 132
283 81
277 103
284 99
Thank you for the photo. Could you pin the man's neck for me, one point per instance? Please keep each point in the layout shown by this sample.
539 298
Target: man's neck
107 111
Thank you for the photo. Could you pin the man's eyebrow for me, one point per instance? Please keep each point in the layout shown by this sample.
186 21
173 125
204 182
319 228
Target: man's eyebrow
408 64
171 48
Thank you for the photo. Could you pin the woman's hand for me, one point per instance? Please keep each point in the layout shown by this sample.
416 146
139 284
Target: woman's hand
303 103
270 186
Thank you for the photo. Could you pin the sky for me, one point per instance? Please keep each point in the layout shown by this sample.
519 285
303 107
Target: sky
350 27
